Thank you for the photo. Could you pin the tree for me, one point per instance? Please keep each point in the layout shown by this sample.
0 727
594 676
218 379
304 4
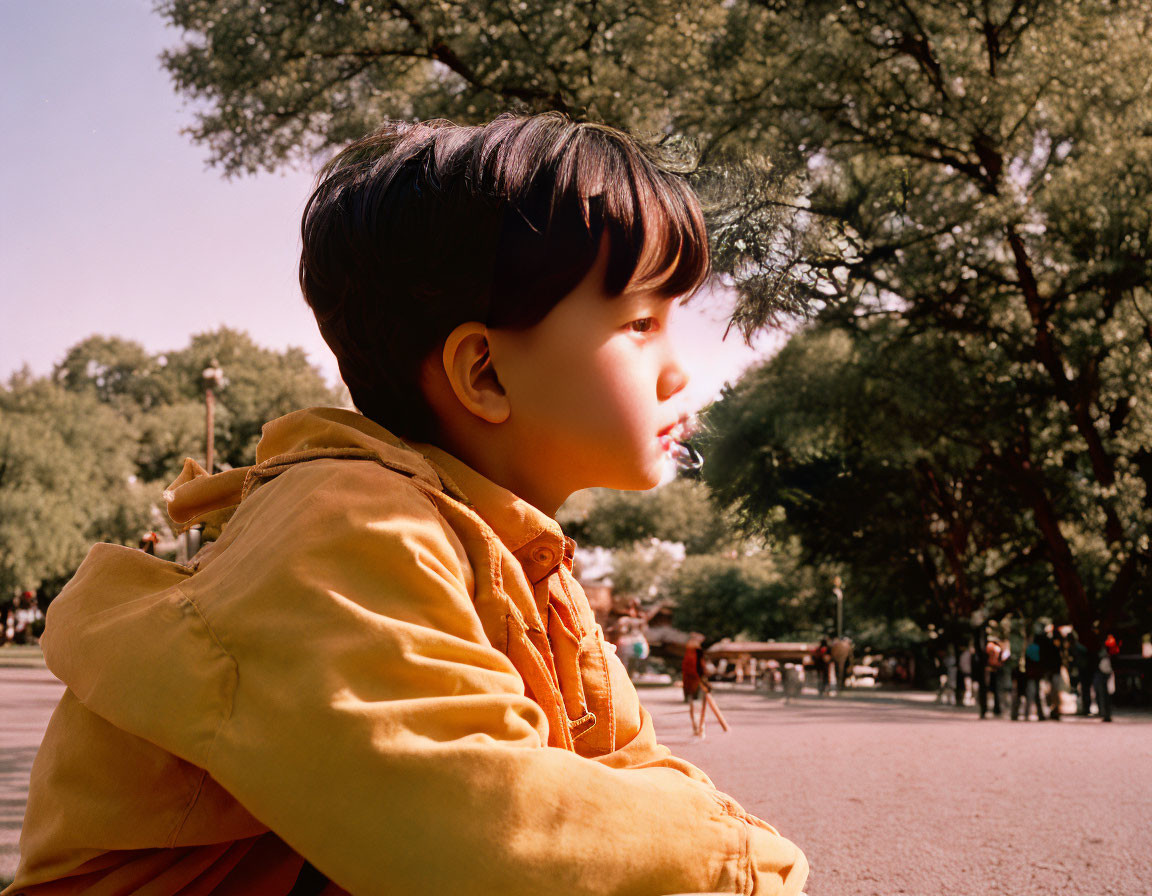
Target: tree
86 452
678 546
119 372
981 171
648 533
870 451
753 595
642 571
679 511
66 480
953 149
286 80
162 395
262 384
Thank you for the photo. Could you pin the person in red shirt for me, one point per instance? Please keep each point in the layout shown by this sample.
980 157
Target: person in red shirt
821 657
694 680
993 676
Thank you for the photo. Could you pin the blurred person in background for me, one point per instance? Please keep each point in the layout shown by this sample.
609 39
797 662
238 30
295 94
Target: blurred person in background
1051 669
821 660
1084 664
1104 680
1033 675
693 680
964 676
993 676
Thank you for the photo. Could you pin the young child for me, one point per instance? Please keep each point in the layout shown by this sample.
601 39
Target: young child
381 676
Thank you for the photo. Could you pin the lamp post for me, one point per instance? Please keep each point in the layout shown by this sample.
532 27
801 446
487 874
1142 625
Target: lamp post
838 591
214 379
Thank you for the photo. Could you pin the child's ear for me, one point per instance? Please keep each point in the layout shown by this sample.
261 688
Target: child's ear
468 364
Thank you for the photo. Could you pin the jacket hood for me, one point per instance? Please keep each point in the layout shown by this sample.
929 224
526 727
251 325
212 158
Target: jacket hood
121 597
196 498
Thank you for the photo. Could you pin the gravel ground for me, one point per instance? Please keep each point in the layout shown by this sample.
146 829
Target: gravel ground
885 794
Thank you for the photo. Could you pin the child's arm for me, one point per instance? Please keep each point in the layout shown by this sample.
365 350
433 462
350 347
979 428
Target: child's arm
642 750
351 701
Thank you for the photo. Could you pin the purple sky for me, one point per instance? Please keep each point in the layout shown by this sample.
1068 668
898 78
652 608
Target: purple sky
113 223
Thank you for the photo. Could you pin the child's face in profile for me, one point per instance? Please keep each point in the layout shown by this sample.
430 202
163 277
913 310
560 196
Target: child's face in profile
593 388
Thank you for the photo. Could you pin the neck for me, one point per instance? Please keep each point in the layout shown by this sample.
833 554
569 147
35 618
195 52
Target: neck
489 454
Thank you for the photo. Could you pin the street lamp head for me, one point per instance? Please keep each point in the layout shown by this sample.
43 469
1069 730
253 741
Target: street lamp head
213 376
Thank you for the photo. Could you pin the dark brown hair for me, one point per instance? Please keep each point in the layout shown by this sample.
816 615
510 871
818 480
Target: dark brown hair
418 228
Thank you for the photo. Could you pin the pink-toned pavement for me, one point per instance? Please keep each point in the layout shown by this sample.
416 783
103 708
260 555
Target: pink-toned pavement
887 794
891 794
28 694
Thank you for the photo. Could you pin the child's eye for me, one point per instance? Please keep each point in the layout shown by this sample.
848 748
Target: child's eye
643 325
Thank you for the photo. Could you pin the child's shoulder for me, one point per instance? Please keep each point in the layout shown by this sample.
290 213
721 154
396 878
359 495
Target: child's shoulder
329 500
337 481
330 531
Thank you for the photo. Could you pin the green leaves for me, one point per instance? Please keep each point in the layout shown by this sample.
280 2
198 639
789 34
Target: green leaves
86 452
756 595
282 81
680 511
963 187
675 545
891 454
65 480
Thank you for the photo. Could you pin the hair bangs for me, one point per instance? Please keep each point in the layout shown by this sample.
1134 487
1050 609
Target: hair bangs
657 235
565 187
534 171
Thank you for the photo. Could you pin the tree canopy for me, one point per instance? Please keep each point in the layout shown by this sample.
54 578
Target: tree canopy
976 175
680 511
870 454
678 547
65 480
164 393
86 451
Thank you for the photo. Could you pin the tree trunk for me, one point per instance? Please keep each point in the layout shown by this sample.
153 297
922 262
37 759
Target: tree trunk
1031 488
1077 400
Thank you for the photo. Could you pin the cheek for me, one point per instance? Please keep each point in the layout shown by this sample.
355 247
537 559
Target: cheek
624 392
536 379
584 392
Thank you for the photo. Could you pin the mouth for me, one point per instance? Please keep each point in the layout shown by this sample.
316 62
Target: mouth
674 432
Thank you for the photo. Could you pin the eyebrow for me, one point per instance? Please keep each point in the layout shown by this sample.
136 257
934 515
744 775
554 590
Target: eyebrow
648 297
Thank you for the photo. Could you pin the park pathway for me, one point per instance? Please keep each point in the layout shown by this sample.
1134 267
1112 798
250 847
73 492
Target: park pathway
891 794
886 794
27 697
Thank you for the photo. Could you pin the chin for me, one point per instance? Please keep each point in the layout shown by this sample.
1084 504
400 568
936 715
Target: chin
644 480
647 473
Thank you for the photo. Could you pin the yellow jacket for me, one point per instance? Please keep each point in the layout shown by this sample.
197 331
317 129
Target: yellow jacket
383 666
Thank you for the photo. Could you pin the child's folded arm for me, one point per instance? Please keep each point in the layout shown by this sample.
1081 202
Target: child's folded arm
377 731
644 751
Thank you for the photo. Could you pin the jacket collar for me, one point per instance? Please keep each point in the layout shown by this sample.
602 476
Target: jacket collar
328 428
533 537
197 497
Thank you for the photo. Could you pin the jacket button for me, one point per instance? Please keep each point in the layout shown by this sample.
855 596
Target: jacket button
544 556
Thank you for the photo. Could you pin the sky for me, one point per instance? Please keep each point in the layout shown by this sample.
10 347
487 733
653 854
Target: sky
112 222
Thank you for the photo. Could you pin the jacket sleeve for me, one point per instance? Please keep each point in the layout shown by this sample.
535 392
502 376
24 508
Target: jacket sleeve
372 726
642 750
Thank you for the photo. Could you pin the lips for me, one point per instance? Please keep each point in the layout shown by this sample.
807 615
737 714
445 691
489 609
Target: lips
676 430
674 433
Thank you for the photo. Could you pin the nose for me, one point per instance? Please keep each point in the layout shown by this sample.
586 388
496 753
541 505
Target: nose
672 379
